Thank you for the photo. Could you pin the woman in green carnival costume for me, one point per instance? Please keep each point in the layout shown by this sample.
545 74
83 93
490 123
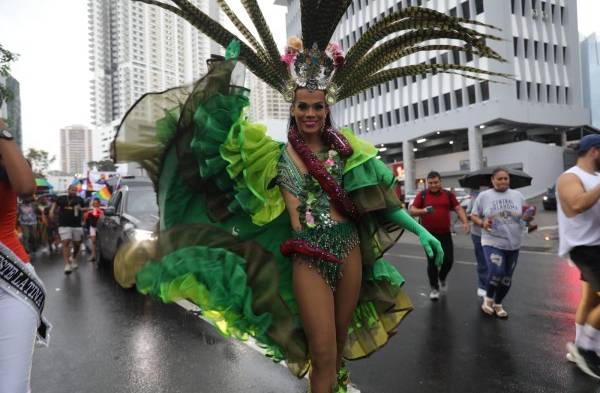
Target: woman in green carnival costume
283 242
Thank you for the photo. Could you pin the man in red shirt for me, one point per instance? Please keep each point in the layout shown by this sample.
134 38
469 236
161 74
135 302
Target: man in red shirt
433 206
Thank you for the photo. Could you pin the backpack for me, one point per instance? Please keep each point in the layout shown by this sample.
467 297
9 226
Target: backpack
424 192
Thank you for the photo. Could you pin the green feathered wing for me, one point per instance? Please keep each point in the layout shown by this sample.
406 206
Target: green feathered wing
222 219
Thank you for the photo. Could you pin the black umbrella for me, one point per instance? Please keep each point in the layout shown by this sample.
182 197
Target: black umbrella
483 178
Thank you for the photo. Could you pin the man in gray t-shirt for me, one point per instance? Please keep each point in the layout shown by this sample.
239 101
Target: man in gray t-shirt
503 211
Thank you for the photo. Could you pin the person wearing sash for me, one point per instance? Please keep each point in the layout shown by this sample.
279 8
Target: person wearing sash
21 291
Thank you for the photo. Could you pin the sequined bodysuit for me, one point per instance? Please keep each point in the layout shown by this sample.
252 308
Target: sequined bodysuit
319 228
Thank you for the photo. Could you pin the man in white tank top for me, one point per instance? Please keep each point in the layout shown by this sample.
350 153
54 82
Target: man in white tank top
578 195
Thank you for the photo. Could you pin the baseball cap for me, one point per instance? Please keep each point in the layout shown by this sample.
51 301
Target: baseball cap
587 142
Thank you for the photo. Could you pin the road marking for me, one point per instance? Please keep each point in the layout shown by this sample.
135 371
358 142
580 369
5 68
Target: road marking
421 257
548 228
251 342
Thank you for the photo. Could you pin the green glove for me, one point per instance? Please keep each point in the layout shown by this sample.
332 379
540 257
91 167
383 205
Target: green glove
432 246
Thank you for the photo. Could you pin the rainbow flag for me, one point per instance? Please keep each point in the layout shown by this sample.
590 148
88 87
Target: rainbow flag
104 194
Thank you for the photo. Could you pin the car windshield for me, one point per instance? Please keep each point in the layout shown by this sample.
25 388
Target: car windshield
141 202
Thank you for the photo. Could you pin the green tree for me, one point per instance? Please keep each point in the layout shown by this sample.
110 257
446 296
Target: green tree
6 57
40 161
103 166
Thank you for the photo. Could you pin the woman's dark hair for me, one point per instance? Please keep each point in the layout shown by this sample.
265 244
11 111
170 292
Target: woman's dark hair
498 170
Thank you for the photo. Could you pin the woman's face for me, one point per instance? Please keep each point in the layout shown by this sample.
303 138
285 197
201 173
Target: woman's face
501 181
309 110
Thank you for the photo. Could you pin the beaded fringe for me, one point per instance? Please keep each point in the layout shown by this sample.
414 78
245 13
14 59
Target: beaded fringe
338 239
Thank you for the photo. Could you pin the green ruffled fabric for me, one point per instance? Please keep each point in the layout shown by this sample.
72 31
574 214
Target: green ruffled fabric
222 221
252 156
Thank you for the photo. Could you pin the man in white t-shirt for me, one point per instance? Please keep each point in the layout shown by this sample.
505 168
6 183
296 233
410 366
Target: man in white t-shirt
578 195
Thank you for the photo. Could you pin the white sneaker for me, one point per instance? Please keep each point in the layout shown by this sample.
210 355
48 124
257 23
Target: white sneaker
74 264
443 286
481 292
68 268
434 294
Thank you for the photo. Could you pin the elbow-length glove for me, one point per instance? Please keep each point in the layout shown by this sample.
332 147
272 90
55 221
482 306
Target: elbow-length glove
432 246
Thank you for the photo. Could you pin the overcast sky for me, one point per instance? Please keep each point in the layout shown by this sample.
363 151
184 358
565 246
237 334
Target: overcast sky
51 37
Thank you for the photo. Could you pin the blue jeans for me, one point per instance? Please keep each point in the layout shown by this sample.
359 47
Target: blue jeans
482 267
501 265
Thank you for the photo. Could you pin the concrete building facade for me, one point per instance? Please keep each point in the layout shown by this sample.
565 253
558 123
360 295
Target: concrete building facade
12 109
135 48
413 119
75 149
590 64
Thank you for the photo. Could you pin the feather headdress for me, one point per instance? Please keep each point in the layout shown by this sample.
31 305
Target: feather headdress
312 61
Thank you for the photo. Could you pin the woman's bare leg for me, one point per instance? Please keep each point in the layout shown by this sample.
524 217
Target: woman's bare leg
316 306
346 298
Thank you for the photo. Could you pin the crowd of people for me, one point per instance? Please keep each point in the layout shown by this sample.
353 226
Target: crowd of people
49 223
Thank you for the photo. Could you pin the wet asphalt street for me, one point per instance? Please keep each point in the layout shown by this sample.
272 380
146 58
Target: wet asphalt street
107 339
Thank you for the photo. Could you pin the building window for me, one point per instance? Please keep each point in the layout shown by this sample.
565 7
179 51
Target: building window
555 53
456 57
465 10
523 7
396 83
558 94
447 102
545 51
539 91
389 118
564 55
415 107
436 105
516 45
525 45
459 98
566 95
379 90
406 116
548 93
485 90
444 58
469 55
518 84
425 105
479 7
452 12
535 49
512 6
562 15
381 125
529 90
397 114
471 94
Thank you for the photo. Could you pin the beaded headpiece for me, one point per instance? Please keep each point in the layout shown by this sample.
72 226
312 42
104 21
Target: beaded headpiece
369 62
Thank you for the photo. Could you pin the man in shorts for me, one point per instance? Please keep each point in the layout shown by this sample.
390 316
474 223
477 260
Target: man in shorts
70 209
578 195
